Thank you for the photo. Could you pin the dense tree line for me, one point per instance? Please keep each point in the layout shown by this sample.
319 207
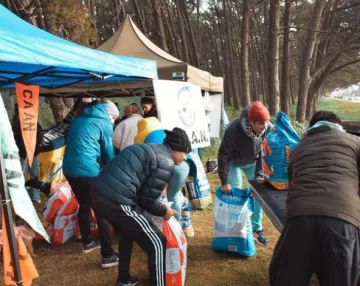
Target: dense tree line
280 52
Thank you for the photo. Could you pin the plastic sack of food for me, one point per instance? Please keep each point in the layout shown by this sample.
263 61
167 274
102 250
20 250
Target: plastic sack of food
94 231
55 202
232 224
198 185
63 228
185 221
176 250
277 147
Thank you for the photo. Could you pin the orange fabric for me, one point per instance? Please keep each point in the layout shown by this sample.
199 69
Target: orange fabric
279 186
28 101
28 270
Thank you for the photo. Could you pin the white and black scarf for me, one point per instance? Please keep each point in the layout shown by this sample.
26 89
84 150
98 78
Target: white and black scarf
252 134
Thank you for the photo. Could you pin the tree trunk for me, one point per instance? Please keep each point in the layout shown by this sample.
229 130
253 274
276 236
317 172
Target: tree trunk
285 85
159 27
93 21
57 107
139 17
273 57
305 66
192 43
40 16
186 54
253 77
232 78
245 76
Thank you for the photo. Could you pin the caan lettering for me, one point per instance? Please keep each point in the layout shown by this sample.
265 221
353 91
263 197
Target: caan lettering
27 94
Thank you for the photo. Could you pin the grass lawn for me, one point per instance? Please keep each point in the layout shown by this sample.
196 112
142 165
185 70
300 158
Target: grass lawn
66 265
346 110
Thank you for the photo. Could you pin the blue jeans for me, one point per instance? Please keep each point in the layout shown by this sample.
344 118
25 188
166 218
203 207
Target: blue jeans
175 184
33 171
235 180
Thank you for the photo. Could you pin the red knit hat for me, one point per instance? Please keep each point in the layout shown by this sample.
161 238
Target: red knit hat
258 112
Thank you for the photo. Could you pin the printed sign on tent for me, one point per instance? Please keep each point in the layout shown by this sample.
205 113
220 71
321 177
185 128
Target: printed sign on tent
20 199
215 115
180 104
28 101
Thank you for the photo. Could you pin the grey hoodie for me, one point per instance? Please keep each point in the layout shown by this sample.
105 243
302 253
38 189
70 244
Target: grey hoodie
238 148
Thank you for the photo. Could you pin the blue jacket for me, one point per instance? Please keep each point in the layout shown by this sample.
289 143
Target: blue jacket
137 176
88 143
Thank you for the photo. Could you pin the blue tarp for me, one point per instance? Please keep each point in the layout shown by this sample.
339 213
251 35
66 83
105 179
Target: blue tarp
33 56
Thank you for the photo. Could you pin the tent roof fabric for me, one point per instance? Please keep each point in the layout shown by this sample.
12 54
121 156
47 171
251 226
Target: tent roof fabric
130 41
32 56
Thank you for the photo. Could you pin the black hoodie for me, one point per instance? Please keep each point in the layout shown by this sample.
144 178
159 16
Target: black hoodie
238 148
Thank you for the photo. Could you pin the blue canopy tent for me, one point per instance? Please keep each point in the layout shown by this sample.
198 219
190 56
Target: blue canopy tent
30 55
33 56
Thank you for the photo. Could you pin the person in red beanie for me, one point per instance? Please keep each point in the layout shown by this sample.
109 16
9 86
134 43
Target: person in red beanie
240 151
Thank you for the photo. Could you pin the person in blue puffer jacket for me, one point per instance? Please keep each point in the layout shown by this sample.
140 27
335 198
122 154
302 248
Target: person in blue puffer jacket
128 188
89 148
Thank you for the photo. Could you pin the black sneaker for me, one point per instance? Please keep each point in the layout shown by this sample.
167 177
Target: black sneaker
260 237
110 261
131 282
90 247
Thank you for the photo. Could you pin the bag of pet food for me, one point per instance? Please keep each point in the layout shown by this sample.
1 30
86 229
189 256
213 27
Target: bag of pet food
176 250
198 185
277 147
94 231
186 224
55 202
63 228
232 224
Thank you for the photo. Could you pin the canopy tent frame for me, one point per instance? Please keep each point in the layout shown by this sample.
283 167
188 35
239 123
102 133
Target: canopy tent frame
49 72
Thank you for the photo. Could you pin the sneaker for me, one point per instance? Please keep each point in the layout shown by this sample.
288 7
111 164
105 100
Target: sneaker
110 261
131 282
90 247
260 237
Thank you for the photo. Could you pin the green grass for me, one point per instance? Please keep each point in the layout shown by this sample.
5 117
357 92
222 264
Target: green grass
346 110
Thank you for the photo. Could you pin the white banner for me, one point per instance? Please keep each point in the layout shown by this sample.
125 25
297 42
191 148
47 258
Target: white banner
179 104
215 115
20 199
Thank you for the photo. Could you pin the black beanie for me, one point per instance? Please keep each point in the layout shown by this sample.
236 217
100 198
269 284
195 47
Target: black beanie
178 140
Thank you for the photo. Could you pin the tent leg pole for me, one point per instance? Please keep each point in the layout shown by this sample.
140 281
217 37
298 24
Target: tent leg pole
9 222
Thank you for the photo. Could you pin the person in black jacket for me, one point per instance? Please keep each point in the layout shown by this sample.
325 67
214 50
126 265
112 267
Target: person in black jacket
149 107
240 151
128 188
34 193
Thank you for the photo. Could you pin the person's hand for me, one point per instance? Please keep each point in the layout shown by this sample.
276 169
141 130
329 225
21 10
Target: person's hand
169 213
226 189
259 178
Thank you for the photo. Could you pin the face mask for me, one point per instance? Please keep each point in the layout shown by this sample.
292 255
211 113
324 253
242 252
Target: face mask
112 120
